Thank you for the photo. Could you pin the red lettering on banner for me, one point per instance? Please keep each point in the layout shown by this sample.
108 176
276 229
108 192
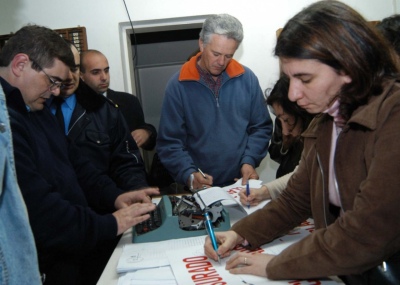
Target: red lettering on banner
292 233
244 249
199 264
211 282
306 223
213 274
196 258
209 275
201 269
234 191
310 230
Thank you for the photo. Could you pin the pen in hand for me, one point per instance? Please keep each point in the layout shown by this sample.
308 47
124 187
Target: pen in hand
202 173
210 231
248 193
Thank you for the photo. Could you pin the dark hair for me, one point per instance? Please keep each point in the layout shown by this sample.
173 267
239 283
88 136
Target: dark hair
41 44
390 28
336 35
72 44
279 95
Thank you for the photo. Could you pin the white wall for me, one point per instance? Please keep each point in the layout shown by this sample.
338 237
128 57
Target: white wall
105 19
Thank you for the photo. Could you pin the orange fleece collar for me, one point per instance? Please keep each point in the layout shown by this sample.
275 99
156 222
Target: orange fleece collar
189 70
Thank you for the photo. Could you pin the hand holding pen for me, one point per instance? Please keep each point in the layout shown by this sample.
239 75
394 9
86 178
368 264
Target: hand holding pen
227 241
211 233
255 196
200 180
248 193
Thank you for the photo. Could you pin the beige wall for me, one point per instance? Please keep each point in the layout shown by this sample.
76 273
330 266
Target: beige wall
106 22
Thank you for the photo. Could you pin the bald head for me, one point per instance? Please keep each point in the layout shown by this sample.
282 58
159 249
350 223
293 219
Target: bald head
95 70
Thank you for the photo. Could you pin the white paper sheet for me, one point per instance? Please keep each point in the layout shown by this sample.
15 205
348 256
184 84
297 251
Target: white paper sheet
229 196
156 276
191 266
152 254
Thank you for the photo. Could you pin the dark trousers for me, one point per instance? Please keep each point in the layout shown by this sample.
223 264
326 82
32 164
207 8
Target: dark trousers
84 270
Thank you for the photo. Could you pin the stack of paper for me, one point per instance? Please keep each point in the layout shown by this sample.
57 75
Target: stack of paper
148 263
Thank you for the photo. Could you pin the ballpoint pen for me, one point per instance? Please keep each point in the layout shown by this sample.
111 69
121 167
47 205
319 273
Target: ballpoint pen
210 231
202 173
248 193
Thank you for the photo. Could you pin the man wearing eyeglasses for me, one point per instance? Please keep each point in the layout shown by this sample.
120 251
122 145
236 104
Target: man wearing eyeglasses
59 186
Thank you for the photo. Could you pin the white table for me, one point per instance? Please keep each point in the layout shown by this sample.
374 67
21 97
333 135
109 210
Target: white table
110 275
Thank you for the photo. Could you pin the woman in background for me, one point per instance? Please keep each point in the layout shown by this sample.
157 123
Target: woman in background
286 144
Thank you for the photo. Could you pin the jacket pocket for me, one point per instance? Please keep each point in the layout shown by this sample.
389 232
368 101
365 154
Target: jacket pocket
97 138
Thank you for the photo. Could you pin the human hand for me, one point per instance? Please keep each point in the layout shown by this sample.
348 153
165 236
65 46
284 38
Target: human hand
140 136
227 240
132 215
139 196
249 263
199 182
248 172
256 196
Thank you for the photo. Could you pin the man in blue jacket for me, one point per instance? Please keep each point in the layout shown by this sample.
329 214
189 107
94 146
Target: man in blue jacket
213 116
99 129
60 187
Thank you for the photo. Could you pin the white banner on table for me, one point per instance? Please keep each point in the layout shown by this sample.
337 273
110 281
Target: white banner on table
191 266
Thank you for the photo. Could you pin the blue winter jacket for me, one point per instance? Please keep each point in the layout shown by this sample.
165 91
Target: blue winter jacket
60 187
216 134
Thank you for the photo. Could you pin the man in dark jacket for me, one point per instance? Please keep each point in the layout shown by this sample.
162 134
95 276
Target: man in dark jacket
97 127
60 187
95 73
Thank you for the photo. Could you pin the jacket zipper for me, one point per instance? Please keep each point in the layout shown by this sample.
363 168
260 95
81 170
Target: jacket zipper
323 188
128 151
80 117
336 184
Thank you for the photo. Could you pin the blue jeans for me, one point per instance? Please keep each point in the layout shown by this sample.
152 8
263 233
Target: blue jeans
18 257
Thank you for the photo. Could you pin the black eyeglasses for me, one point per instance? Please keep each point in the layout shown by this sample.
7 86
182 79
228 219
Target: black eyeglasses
54 84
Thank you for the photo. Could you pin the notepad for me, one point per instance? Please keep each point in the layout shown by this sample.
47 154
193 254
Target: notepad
228 196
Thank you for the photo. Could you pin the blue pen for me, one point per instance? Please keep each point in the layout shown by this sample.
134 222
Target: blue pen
248 193
210 231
